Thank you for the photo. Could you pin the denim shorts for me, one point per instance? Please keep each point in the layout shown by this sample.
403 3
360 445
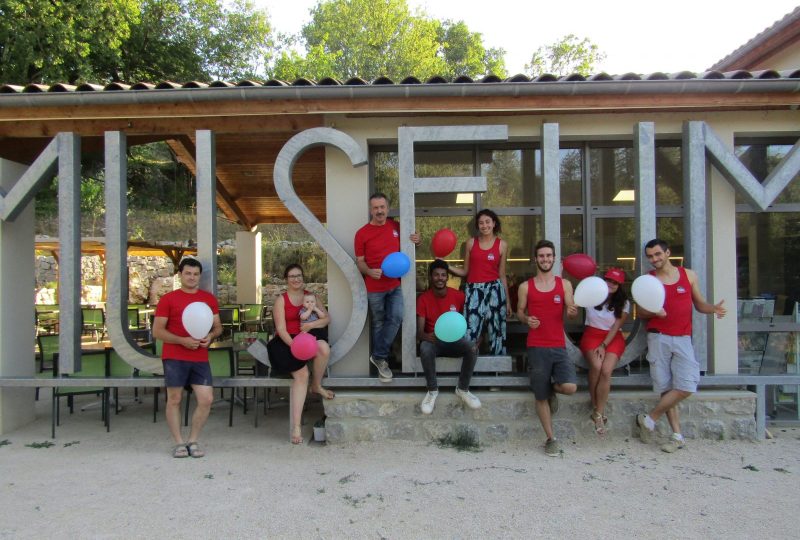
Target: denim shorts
180 373
548 366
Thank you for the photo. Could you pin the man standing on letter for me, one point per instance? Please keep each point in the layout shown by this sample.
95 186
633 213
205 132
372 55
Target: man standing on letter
541 305
373 242
673 367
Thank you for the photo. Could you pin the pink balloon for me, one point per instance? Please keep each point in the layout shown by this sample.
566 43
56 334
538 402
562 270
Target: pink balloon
304 346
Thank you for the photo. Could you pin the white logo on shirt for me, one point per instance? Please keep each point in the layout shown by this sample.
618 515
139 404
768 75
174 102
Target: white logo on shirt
395 234
557 299
681 290
453 307
490 257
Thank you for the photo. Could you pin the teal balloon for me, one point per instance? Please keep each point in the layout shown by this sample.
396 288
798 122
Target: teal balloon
395 265
450 326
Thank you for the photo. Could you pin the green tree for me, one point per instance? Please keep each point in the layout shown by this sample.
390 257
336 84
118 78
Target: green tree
568 55
374 38
203 40
47 41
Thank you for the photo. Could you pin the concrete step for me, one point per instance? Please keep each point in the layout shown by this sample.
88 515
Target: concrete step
509 415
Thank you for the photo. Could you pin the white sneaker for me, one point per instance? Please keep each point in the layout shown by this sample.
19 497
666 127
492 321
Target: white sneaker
429 401
469 399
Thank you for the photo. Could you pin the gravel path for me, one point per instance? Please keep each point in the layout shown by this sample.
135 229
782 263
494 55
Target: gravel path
253 483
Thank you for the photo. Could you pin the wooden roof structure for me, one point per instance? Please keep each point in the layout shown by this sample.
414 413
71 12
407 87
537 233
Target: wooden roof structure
252 121
97 246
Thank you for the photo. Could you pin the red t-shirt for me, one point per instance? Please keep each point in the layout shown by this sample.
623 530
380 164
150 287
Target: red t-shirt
484 264
431 306
374 243
548 307
291 314
171 306
678 305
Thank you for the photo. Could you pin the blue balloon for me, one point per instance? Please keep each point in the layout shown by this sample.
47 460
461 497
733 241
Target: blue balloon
450 326
395 265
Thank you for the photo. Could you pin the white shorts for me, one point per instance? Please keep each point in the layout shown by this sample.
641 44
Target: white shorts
673 365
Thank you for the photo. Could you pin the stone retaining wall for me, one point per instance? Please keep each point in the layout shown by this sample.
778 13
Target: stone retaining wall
511 416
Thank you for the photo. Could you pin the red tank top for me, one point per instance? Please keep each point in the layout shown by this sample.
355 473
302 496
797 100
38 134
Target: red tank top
291 314
678 305
548 307
484 264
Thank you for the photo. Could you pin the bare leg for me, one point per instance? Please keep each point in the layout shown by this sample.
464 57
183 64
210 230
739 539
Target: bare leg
296 400
594 375
565 388
204 395
668 405
604 382
173 412
320 365
543 411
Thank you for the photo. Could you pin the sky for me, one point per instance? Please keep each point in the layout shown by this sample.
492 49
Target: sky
637 36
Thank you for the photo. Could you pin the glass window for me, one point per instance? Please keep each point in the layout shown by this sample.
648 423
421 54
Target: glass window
386 175
615 240
443 162
570 171
669 176
768 257
611 174
513 178
761 160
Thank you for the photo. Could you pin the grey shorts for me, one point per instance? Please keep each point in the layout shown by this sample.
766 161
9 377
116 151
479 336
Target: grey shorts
673 365
548 366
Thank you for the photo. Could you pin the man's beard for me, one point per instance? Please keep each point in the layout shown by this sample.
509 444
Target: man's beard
541 269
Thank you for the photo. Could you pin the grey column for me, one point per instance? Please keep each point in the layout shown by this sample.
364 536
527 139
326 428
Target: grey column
551 209
694 225
116 189
69 264
16 308
206 161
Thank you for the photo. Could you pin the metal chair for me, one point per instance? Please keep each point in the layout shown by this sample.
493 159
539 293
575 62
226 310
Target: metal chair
93 365
94 320
252 317
230 319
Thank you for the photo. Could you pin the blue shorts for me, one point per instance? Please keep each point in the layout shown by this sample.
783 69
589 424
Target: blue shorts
180 373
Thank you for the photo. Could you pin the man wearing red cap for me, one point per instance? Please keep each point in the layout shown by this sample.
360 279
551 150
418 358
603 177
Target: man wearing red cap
673 367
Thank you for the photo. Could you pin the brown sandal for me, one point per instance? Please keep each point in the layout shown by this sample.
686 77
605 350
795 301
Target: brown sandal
180 451
194 450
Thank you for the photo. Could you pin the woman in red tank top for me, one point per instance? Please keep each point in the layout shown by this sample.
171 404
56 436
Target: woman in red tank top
486 289
286 316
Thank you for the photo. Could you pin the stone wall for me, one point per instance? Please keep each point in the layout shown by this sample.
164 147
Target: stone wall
150 278
511 416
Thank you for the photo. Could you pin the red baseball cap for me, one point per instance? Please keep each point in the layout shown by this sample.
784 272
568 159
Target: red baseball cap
615 274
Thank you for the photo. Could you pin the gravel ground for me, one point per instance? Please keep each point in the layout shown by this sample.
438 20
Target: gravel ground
253 483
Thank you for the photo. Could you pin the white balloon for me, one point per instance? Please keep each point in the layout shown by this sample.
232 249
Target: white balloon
197 319
591 291
648 292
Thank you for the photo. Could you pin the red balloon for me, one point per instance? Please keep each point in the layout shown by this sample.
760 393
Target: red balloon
443 243
304 346
580 265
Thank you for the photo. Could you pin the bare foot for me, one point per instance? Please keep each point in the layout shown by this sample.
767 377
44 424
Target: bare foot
297 435
324 392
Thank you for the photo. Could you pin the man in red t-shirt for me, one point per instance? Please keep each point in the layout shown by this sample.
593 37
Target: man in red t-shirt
186 358
373 242
673 367
541 305
439 299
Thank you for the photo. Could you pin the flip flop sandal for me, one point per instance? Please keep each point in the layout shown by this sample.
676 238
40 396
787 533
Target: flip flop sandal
599 423
180 451
194 450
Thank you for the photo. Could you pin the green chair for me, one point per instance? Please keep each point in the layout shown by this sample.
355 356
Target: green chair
245 363
48 348
146 374
133 318
222 365
93 365
93 320
252 317
46 318
117 367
